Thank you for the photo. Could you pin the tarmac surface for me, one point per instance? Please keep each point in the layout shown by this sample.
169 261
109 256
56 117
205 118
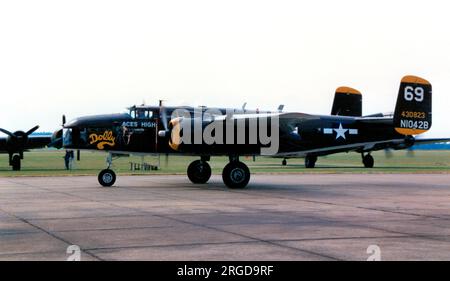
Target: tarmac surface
278 217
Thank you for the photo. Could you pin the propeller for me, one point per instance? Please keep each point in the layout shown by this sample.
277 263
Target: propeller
388 153
407 145
163 114
163 118
16 141
410 140
32 130
57 137
7 132
410 152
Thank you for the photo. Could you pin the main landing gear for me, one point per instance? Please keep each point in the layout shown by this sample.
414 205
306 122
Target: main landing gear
14 161
107 177
310 161
367 160
235 174
199 171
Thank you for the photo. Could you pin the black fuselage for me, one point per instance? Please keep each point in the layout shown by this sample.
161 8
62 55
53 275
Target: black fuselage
299 134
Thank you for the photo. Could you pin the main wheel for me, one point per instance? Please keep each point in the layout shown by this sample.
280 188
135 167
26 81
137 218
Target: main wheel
310 161
107 177
236 175
15 163
199 172
368 161
284 162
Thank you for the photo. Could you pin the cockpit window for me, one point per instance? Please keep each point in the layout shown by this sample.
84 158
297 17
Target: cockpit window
141 113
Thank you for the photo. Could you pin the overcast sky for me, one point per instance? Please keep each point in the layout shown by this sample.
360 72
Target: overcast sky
90 57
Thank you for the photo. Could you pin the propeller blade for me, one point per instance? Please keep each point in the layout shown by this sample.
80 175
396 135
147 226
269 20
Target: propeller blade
7 132
56 143
32 130
63 120
163 114
78 155
410 153
388 153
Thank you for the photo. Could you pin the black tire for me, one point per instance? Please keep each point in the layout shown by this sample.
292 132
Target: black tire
236 175
107 177
284 162
368 161
310 162
15 163
199 172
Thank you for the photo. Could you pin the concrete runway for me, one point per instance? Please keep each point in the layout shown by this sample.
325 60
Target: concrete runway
278 217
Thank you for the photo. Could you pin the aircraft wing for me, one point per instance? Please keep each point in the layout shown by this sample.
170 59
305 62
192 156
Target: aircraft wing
34 141
430 141
38 141
358 147
364 147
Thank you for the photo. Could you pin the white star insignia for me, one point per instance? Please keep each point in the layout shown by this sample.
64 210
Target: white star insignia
340 132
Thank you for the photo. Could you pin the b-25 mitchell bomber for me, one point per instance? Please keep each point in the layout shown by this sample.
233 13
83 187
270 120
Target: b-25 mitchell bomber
207 132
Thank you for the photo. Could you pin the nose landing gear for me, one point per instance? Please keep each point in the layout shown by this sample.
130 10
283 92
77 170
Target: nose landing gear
107 177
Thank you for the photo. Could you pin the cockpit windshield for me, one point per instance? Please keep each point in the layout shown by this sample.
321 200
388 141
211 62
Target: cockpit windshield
141 113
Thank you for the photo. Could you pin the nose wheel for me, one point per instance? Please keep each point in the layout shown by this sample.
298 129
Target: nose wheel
236 175
107 177
199 172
